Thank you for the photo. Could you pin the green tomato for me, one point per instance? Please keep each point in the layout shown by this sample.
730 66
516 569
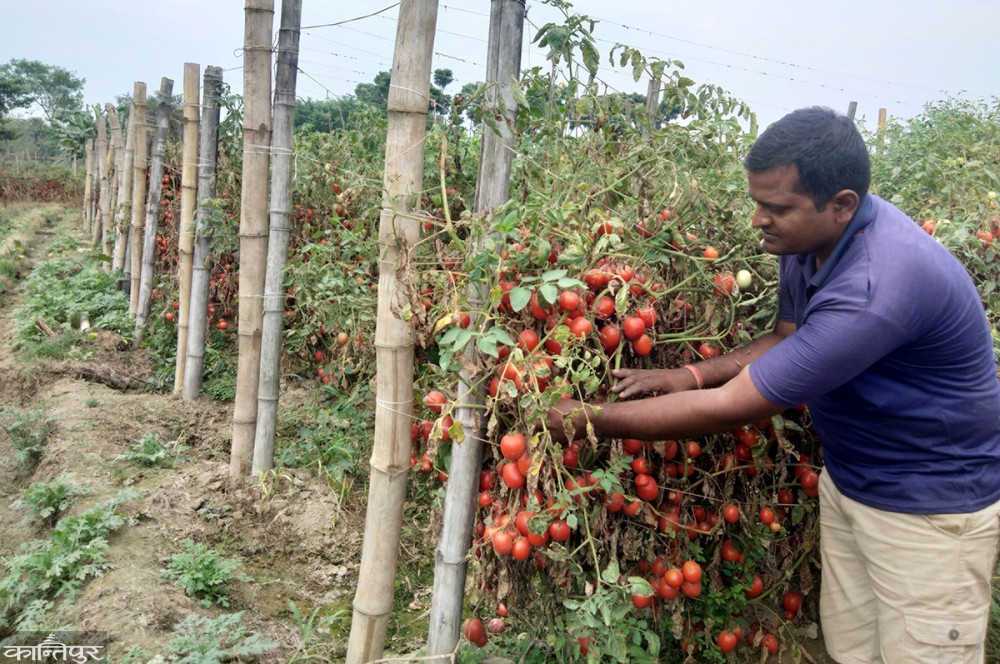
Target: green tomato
744 279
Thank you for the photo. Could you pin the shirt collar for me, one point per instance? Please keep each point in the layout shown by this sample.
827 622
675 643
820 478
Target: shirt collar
861 219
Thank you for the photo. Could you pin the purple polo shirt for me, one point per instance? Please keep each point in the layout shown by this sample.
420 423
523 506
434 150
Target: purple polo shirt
894 357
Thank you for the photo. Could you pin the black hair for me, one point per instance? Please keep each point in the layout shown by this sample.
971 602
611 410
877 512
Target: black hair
825 147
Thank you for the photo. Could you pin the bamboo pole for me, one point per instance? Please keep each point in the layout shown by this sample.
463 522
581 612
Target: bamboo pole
283 146
259 18
88 188
152 209
503 65
882 119
116 157
208 147
399 229
852 109
138 196
124 209
189 194
103 194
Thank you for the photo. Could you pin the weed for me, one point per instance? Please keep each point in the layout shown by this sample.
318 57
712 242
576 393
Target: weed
203 573
312 647
29 432
134 655
149 451
92 402
46 501
203 640
56 568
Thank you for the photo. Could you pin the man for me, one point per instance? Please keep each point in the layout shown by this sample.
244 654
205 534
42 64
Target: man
882 333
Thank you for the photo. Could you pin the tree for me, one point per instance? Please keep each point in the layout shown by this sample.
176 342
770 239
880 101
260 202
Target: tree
53 89
13 94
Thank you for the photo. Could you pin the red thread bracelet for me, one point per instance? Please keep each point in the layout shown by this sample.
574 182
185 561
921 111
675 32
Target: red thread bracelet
697 375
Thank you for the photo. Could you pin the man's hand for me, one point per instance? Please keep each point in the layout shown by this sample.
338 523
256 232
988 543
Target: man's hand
651 381
556 418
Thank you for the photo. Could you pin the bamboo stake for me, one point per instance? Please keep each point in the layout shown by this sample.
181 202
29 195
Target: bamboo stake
152 209
208 147
104 195
399 229
125 195
283 146
852 109
882 119
138 195
503 64
259 18
189 193
117 149
88 189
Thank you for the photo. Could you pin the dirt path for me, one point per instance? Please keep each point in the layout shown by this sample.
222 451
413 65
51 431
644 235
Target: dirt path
292 534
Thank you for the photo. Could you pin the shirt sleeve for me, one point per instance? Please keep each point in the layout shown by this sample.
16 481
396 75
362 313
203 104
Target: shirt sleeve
839 339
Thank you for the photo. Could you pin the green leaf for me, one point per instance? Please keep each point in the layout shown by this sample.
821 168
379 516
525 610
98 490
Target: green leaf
549 293
554 275
519 298
488 346
611 573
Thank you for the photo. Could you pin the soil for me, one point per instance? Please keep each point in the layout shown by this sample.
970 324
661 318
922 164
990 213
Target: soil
299 537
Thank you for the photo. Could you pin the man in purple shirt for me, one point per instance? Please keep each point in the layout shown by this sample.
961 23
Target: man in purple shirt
882 333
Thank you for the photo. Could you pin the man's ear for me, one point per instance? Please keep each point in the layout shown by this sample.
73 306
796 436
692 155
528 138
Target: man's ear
845 203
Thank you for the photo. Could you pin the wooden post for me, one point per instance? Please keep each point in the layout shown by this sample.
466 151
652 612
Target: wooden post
116 159
104 192
399 229
259 17
88 189
123 211
189 195
652 105
208 148
882 119
283 146
852 109
138 195
153 209
503 65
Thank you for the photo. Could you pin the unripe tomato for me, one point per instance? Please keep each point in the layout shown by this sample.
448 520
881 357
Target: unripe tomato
744 278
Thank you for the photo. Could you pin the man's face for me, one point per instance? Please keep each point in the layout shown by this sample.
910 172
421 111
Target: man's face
789 221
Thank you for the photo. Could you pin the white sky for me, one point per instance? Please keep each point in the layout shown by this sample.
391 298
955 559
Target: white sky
776 56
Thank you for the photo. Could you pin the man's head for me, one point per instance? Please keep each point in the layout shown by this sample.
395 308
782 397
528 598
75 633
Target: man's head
825 147
808 172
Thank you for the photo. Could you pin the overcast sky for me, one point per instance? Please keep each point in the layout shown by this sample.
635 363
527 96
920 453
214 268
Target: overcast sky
776 56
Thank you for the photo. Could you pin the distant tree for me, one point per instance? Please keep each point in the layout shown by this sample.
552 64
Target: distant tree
375 93
53 89
324 115
13 95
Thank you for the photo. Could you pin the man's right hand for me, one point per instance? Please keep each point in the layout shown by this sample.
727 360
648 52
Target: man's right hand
632 382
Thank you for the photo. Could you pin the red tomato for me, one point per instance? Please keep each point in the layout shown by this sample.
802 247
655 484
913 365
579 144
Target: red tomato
766 516
792 602
691 571
559 530
610 337
770 643
475 632
527 340
711 253
604 307
512 476
435 400
633 327
580 327
756 586
727 641
503 542
642 346
648 316
724 284
521 549
642 601
645 487
513 446
731 513
569 301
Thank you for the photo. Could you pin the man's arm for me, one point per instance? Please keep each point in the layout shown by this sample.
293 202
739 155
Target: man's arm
716 371
676 415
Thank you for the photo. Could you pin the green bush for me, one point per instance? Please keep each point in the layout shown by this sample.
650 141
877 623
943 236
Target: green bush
29 432
204 640
46 501
149 451
203 573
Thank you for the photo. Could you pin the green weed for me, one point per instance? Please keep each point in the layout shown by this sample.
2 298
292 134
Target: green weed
204 640
149 451
203 573
46 501
29 432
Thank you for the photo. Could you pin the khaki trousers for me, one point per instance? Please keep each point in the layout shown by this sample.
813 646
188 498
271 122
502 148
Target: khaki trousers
904 588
